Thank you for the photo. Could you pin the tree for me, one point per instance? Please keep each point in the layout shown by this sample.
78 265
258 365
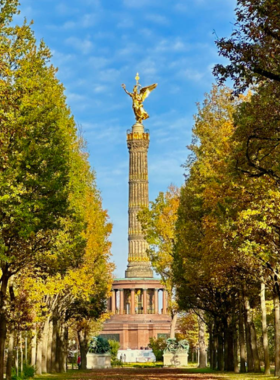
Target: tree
158 225
207 241
37 132
253 49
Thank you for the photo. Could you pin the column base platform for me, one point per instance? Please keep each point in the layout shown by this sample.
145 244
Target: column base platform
139 270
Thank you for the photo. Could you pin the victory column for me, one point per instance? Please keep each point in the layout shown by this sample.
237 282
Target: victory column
139 304
138 143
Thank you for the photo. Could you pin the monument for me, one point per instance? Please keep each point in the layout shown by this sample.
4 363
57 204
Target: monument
134 304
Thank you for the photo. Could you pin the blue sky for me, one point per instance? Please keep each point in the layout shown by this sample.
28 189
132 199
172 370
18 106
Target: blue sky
100 44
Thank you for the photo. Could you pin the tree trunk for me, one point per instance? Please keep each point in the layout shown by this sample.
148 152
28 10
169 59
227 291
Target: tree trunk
211 346
215 355
49 351
10 356
21 353
250 361
33 346
241 339
58 346
63 362
39 357
264 331
53 345
257 366
235 352
228 344
83 342
3 323
220 352
201 342
44 338
173 325
277 333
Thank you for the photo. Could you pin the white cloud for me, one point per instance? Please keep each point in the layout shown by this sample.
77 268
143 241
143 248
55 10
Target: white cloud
89 20
157 19
126 23
181 7
192 75
100 89
170 44
136 3
85 46
64 9
69 25
98 62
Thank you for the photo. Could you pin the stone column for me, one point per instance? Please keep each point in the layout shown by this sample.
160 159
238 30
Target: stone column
113 301
121 301
145 301
156 301
138 143
164 301
132 303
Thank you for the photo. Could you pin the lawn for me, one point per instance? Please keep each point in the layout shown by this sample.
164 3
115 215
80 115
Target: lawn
152 374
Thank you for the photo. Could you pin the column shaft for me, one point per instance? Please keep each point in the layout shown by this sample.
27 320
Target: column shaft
164 301
145 301
113 302
132 301
156 301
121 301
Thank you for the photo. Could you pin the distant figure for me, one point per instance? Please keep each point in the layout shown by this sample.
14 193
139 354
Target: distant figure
79 362
121 358
124 358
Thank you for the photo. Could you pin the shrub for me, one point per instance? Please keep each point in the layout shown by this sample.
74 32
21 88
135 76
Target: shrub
28 372
114 348
158 346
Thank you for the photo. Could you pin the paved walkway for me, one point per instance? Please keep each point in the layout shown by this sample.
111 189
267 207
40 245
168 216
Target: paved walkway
141 374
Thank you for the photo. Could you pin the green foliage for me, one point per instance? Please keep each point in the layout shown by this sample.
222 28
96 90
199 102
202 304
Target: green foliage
28 372
114 348
158 346
116 363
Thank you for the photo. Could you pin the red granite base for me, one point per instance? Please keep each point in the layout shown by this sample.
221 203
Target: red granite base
135 331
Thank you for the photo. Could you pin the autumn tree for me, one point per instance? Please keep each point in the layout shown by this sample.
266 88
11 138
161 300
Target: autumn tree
36 136
158 225
207 242
253 48
54 232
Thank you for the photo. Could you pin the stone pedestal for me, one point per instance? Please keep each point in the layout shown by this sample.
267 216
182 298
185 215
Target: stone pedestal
98 361
179 359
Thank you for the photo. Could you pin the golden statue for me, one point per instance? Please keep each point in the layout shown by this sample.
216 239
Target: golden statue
138 98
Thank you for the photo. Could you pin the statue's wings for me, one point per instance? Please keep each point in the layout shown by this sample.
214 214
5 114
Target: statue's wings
145 91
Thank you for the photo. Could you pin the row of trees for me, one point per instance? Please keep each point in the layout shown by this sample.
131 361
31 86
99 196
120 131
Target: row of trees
224 252
55 270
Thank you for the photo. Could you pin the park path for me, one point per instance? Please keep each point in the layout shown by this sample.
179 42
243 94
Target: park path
142 374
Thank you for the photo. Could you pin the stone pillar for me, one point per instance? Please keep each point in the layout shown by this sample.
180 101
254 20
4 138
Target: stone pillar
132 296
109 304
121 300
156 301
145 301
113 301
164 301
138 143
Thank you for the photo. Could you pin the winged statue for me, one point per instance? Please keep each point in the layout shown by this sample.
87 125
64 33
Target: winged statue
138 98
